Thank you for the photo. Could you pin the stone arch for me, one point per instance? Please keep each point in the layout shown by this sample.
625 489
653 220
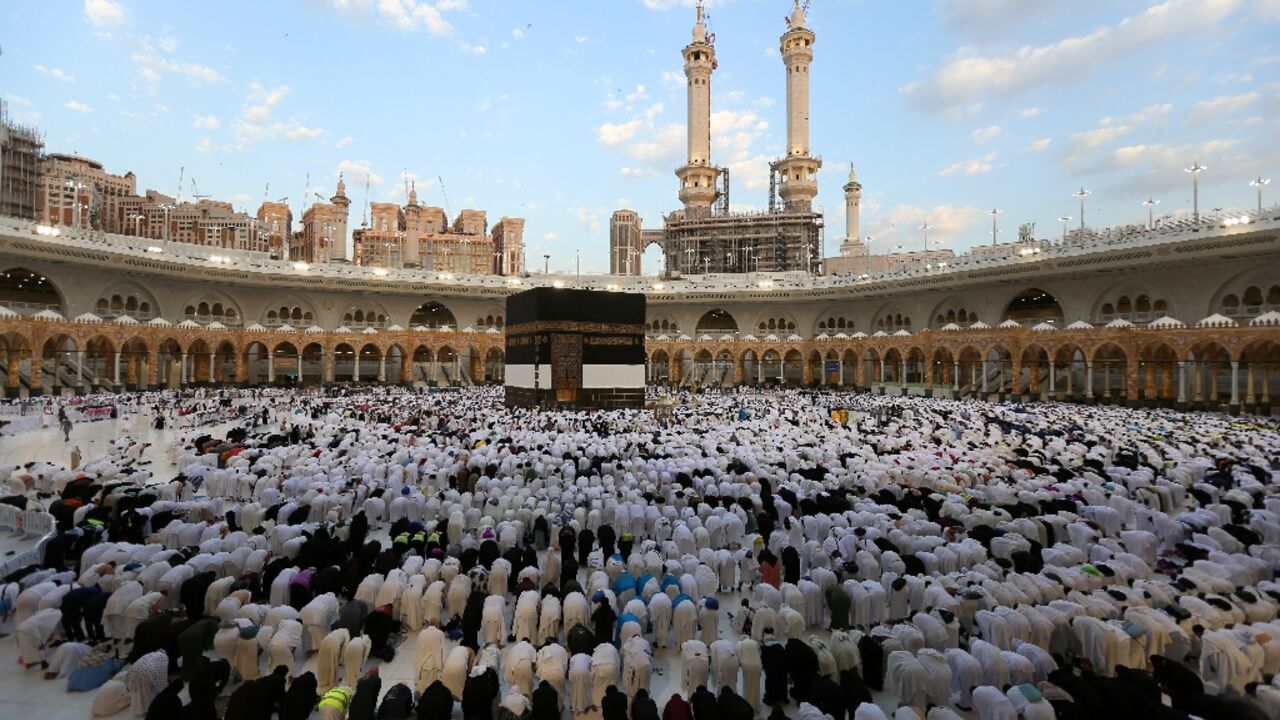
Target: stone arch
1247 295
1157 373
659 366
835 319
27 292
1137 302
1209 369
344 362
99 361
1110 365
716 321
256 364
126 297
1032 371
433 314
1260 370
956 309
212 305
793 367
495 360
289 309
1033 305
365 313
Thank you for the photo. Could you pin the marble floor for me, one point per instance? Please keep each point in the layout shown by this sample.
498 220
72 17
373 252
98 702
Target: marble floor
26 695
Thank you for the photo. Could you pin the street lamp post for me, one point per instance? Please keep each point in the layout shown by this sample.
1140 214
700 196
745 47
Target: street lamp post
1195 170
1082 194
1151 211
688 264
1260 183
546 263
1064 220
994 230
577 264
925 227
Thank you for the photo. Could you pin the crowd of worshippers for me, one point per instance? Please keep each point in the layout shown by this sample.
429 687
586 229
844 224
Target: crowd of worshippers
948 559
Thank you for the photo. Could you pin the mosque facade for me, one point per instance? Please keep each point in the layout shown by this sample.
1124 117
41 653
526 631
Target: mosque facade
1184 316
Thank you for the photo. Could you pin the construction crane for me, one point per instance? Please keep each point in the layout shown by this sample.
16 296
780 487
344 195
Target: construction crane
182 173
448 211
195 193
265 192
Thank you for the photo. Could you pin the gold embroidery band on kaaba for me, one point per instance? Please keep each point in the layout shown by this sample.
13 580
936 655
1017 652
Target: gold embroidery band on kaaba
578 327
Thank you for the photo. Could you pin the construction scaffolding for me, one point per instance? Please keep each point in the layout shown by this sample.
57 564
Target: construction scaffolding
742 242
21 152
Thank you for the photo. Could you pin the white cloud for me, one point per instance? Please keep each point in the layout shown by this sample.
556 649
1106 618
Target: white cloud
104 13
355 173
18 100
79 106
983 135
1028 113
344 142
1166 162
654 111
152 66
167 44
979 166
264 102
661 147
56 73
969 75
580 39
1221 107
296 131
946 224
113 97
986 20
473 49
206 146
963 113
207 122
517 33
1234 79
1108 130
637 95
611 134
629 172
551 237
1038 145
412 15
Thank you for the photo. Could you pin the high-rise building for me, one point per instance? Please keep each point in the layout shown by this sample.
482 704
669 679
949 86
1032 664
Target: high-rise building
626 243
77 192
382 243
275 223
21 150
508 246
324 229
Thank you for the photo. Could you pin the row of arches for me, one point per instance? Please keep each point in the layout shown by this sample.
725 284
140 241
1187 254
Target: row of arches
1203 375
97 363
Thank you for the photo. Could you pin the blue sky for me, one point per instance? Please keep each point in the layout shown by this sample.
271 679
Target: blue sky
561 111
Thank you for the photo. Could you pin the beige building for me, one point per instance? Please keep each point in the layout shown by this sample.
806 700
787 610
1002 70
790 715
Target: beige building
508 246
382 243
77 192
324 229
626 243
275 223
209 223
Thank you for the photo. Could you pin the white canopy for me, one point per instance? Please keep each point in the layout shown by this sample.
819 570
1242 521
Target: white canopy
1217 320
88 318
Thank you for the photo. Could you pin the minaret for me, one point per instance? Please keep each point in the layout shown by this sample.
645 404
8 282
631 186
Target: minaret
798 169
412 227
698 177
338 233
852 206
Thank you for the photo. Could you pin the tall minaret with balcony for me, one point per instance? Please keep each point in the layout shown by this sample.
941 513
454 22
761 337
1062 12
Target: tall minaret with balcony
697 176
798 170
852 207
342 206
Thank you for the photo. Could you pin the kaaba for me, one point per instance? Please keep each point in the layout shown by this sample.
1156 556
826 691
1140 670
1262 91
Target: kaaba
575 349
